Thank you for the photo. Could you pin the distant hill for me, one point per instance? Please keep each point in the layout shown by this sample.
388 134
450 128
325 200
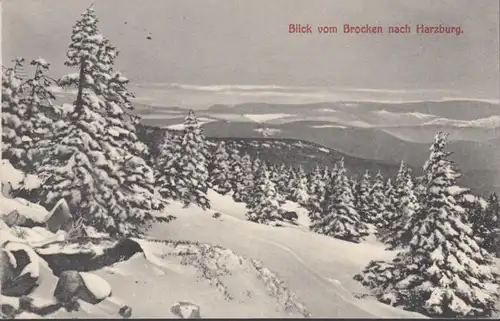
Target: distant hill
308 154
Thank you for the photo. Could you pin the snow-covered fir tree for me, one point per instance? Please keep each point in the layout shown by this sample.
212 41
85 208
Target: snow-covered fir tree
189 165
339 218
486 224
378 201
263 207
406 207
443 272
94 161
363 200
220 173
299 192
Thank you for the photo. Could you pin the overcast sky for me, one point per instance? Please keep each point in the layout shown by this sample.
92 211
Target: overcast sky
239 42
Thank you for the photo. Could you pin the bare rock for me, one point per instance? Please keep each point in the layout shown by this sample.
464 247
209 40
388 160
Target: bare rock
60 217
68 285
125 312
13 218
290 215
186 310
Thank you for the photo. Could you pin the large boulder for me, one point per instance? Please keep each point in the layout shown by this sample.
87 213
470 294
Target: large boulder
125 312
20 212
87 254
290 215
74 285
19 269
15 219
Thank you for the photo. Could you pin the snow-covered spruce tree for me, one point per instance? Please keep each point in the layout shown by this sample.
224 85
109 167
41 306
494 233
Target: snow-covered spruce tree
444 272
276 177
220 174
40 113
236 171
486 224
292 176
354 186
389 216
167 174
93 160
16 128
299 192
262 205
420 188
317 183
363 198
406 207
243 180
189 165
334 171
377 196
339 218
282 178
256 164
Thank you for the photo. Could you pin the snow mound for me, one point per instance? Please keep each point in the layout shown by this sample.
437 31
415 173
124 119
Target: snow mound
96 285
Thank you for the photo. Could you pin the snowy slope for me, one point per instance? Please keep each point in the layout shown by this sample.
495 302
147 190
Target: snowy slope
223 279
317 268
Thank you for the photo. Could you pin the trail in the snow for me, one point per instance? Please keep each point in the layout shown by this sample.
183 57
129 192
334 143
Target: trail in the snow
323 281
